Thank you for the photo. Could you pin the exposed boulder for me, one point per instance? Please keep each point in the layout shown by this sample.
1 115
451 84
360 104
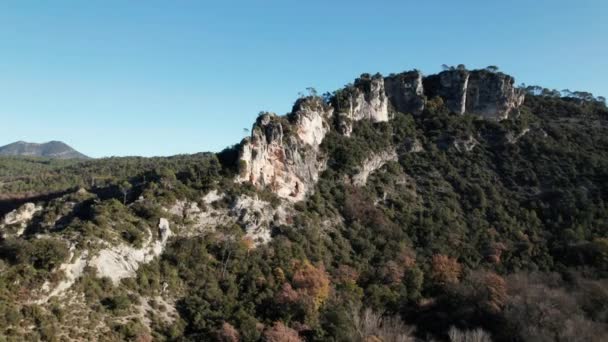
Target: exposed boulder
405 92
15 222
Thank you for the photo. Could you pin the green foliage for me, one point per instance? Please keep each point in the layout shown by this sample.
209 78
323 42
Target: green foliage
440 237
43 254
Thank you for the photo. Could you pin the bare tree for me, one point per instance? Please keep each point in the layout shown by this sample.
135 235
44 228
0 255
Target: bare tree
477 335
370 326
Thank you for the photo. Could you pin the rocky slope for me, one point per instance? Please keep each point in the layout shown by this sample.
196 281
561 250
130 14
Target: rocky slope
51 149
282 153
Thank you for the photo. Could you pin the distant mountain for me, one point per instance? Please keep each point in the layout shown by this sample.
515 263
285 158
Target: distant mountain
51 149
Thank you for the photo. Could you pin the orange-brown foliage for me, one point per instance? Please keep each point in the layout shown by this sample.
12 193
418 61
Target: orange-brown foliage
286 295
227 333
279 332
445 270
311 281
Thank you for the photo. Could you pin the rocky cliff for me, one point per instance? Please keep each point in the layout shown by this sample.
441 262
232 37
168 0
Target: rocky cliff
406 92
283 153
490 95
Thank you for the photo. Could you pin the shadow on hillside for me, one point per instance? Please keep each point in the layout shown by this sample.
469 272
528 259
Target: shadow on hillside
9 204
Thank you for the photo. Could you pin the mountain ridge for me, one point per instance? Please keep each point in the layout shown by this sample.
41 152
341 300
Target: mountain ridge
54 149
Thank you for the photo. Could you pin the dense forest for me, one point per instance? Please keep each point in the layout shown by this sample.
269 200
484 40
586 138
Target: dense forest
486 231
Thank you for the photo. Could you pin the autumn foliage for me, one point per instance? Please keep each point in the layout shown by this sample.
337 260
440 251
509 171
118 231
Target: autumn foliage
445 270
312 282
227 333
279 332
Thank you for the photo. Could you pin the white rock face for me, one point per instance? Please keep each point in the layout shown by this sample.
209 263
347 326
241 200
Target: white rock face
71 271
406 92
283 152
258 217
369 100
365 100
212 196
18 219
287 164
490 95
122 261
311 120
372 164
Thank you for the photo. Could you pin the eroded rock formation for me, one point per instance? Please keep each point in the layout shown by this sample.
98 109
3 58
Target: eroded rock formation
283 152
406 92
491 95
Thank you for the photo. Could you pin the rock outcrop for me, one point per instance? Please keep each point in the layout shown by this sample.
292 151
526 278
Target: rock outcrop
256 216
122 261
15 222
406 92
451 86
366 99
283 153
372 164
490 95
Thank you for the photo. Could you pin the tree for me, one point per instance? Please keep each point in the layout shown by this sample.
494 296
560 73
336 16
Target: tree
125 187
312 281
371 326
492 68
311 91
279 332
227 333
445 270
477 335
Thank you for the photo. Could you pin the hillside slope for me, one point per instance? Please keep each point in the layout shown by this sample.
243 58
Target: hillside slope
51 149
401 208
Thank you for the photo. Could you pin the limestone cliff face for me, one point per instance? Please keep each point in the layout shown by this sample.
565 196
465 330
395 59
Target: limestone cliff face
492 95
366 99
283 154
406 92
451 86
487 94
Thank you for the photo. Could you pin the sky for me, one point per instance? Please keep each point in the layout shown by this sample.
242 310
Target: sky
154 78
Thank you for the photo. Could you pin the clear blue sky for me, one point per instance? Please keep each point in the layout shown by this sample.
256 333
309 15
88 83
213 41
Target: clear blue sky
168 77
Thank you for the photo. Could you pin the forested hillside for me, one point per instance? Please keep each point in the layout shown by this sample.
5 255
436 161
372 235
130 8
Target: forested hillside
430 225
